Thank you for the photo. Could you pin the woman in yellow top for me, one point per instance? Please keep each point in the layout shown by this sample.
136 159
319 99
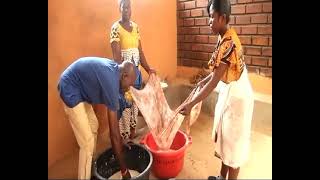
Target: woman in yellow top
126 46
234 109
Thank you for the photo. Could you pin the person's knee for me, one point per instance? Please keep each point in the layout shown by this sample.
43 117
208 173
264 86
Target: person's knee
89 145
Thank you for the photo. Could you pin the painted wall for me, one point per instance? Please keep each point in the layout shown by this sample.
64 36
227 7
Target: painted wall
78 28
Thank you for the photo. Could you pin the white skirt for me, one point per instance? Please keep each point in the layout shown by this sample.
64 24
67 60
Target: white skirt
232 121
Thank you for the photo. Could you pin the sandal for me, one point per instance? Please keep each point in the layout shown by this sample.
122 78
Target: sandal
215 178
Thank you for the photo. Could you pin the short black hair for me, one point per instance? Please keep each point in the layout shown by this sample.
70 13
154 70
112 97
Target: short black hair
120 2
220 6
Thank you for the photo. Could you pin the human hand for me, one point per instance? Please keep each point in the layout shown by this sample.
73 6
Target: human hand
151 70
126 175
186 109
128 143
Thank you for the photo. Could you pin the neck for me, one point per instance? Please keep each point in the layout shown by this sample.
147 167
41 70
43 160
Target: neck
223 30
124 21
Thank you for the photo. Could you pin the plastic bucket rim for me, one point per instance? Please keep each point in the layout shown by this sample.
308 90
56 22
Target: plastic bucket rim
173 152
136 177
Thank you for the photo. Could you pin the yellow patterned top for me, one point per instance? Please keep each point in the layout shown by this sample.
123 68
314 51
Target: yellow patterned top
228 51
129 41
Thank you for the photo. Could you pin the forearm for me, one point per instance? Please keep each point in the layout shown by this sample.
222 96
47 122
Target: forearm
206 79
117 149
205 91
212 83
143 61
116 139
116 52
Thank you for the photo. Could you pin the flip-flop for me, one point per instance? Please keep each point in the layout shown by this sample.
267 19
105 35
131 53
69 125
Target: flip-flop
215 178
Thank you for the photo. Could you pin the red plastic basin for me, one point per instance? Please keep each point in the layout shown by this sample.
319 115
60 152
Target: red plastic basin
167 164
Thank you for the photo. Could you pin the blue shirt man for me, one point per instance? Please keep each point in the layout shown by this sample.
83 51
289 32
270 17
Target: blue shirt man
93 80
97 82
